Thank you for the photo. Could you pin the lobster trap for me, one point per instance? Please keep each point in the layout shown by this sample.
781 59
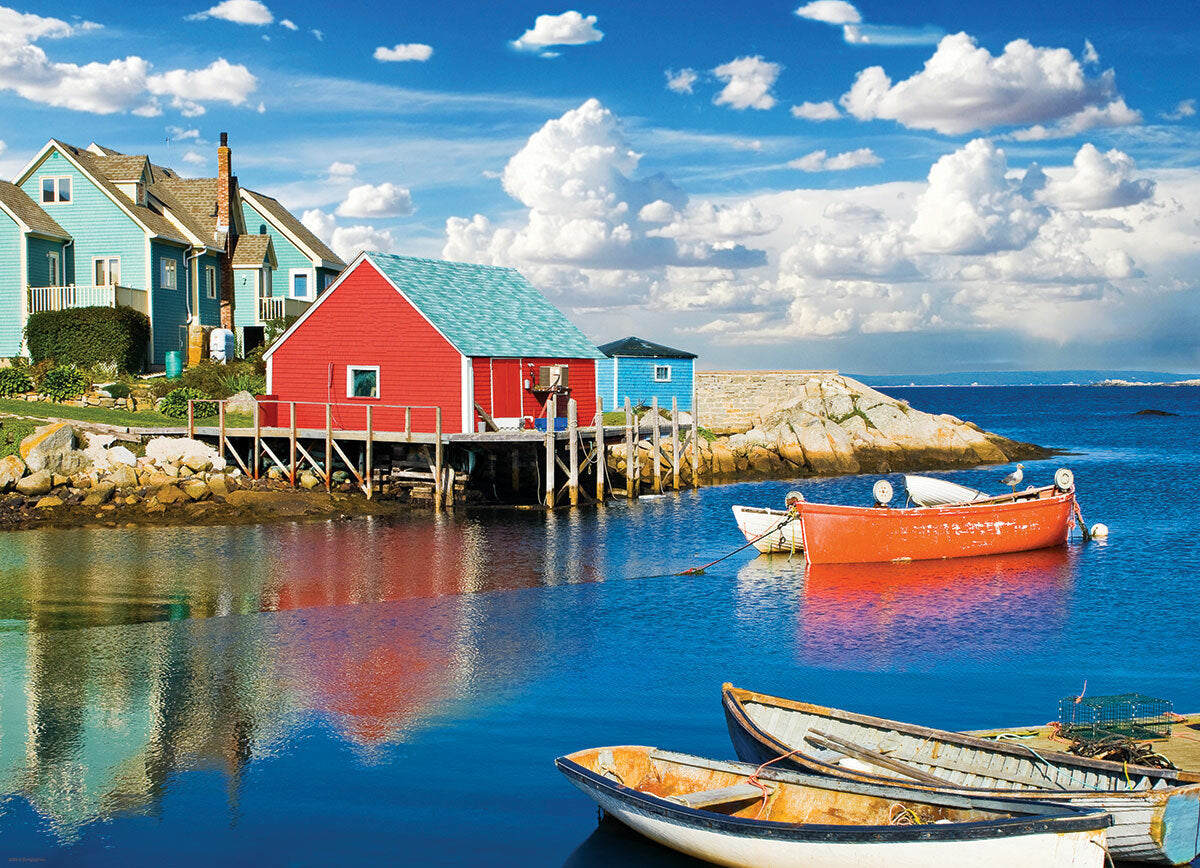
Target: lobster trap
1131 715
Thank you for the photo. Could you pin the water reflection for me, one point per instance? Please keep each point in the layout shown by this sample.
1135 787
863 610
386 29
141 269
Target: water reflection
916 615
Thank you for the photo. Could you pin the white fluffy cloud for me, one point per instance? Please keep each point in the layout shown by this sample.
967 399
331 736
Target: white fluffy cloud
963 87
748 83
125 85
1098 181
820 161
339 171
1184 109
830 12
569 28
347 241
682 81
842 14
239 12
816 111
288 23
403 52
376 200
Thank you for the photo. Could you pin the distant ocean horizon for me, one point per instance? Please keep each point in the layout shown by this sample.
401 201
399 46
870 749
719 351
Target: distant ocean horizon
1025 378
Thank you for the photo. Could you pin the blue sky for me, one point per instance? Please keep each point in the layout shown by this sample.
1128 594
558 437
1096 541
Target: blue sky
880 187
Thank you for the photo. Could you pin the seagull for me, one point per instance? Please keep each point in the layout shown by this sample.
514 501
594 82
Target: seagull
1013 479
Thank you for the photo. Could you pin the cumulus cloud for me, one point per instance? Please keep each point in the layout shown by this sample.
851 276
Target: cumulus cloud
220 81
842 14
963 87
1099 181
194 158
183 134
411 51
682 81
820 161
748 83
339 171
288 23
816 111
347 241
238 11
376 200
830 12
1184 109
569 28
19 28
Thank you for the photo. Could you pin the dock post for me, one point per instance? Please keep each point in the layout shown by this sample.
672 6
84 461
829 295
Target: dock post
191 419
292 446
516 469
695 438
630 478
221 429
329 447
550 454
370 460
257 440
601 452
656 443
573 450
675 442
437 463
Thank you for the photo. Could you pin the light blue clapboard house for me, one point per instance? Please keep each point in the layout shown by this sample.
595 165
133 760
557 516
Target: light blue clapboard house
81 227
642 370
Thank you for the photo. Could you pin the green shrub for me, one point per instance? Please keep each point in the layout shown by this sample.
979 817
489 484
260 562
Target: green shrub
273 329
175 403
89 336
244 381
117 390
63 383
14 381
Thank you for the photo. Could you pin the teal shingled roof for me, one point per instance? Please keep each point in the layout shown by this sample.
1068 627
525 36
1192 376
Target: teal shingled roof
484 310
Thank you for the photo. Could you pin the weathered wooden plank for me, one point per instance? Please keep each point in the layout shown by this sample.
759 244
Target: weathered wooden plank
736 794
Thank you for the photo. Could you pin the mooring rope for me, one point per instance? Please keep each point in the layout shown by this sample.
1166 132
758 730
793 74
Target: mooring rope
696 571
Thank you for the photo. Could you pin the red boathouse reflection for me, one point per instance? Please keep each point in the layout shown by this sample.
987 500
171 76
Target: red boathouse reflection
915 615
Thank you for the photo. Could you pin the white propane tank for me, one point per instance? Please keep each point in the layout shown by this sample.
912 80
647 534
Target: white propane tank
222 345
1099 531
882 491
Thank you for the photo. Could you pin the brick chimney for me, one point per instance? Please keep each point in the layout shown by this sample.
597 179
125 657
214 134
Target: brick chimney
226 193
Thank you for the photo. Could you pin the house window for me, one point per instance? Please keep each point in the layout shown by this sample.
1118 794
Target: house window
662 373
56 189
107 270
52 269
329 279
210 281
168 274
299 284
362 381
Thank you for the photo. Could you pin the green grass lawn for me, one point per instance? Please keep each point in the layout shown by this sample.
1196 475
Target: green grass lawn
102 415
12 432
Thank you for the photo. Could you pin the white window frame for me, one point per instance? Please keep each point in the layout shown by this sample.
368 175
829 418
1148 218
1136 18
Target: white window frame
168 267
659 379
350 369
210 281
53 269
108 275
57 181
309 282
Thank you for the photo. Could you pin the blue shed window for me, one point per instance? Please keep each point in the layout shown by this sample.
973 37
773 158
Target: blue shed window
662 373
299 284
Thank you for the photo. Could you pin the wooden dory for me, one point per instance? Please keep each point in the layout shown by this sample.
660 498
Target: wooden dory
707 809
1155 819
1033 519
768 529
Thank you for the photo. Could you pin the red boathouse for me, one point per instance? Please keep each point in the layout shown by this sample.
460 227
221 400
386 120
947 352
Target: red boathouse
397 331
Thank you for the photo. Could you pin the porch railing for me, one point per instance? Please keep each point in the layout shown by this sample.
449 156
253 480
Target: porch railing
279 306
44 298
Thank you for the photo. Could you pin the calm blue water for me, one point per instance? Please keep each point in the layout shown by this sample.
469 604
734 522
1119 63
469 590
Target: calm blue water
395 691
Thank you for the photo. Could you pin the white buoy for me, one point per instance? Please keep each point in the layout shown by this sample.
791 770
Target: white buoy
1099 531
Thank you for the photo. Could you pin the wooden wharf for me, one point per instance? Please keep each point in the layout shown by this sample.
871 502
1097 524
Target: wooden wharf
568 466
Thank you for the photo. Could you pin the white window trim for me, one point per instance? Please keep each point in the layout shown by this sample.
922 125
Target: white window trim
163 271
350 369
56 179
210 281
311 292
107 271
659 379
55 279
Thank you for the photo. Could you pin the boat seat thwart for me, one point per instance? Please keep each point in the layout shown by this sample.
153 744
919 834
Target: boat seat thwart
738 794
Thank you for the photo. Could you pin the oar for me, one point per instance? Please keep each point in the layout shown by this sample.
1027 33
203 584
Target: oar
832 742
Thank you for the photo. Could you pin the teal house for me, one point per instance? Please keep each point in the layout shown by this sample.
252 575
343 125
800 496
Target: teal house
641 371
81 227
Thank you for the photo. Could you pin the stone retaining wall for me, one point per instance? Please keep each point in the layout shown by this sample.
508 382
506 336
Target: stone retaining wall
729 401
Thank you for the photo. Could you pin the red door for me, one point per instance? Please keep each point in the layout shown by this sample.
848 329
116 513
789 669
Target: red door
506 388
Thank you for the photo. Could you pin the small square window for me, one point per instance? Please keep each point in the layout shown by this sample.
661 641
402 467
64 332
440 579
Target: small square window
300 285
662 373
362 382
56 189
47 189
64 189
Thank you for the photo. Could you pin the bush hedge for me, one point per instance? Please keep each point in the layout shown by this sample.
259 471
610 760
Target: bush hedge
14 381
89 336
175 404
63 383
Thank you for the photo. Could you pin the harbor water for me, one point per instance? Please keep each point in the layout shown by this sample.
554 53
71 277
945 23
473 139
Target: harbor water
395 691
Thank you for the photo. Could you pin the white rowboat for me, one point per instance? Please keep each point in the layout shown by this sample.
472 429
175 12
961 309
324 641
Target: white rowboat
754 521
927 491
710 810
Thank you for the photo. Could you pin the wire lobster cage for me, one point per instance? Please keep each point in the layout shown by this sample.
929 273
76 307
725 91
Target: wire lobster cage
1131 715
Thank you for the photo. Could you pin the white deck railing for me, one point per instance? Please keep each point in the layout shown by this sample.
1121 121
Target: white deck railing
44 298
279 306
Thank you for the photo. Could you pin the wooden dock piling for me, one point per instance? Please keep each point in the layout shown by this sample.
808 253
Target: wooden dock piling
292 446
437 462
329 447
601 450
656 445
573 451
630 469
257 440
369 459
675 443
695 440
549 456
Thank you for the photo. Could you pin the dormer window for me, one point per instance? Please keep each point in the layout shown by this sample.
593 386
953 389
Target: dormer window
56 190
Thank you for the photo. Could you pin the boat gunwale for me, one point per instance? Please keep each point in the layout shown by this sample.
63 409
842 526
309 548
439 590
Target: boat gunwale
732 699
1001 503
1037 818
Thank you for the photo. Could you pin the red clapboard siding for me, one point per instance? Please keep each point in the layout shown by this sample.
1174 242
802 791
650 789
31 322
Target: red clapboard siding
482 373
581 378
364 321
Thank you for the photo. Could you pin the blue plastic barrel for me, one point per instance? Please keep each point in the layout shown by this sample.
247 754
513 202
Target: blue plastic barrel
174 364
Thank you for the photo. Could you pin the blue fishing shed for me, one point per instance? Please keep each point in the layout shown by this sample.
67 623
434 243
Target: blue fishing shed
643 370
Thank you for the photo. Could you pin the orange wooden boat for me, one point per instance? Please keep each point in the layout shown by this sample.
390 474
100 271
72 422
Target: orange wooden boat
1033 519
